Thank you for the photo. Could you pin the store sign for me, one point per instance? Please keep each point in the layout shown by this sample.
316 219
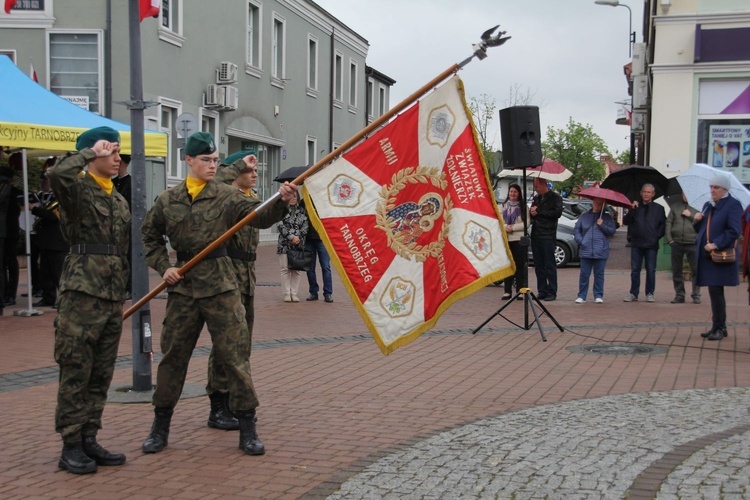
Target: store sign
729 148
29 5
82 101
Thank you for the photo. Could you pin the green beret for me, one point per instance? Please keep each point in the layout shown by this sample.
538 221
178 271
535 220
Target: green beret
91 136
237 156
200 143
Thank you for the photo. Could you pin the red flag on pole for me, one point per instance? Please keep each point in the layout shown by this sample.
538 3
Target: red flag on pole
148 8
9 4
32 73
410 220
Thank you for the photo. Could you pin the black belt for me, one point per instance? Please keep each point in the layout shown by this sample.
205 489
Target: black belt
236 253
96 249
189 254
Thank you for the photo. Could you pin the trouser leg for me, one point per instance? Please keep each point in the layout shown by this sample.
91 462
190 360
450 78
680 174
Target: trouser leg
183 323
692 257
718 307
599 266
678 280
636 261
312 279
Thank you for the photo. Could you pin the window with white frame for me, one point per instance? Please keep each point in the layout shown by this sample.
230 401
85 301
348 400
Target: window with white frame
10 53
371 96
169 110
338 77
353 80
279 49
75 66
312 63
28 14
253 56
381 101
210 122
170 22
312 147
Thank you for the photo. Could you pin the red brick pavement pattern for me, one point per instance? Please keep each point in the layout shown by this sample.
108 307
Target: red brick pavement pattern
327 406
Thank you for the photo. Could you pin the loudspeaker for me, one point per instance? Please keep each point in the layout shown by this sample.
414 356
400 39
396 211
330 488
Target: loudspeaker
521 136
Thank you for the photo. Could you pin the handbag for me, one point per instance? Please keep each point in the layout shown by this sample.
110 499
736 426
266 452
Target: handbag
726 256
299 259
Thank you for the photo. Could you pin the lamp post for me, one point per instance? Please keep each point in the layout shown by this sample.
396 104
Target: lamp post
631 41
631 33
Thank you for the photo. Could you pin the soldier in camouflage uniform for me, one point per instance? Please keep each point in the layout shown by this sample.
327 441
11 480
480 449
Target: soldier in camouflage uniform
96 221
241 250
192 215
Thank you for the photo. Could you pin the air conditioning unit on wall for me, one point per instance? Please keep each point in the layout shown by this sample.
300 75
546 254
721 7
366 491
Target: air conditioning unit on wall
214 95
226 73
231 98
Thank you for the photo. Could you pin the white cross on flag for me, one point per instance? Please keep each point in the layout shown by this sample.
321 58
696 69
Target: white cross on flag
409 218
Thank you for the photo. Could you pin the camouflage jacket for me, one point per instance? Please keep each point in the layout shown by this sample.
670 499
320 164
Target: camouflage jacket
247 238
191 226
88 215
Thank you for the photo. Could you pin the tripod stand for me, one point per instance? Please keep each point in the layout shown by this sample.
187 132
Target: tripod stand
529 299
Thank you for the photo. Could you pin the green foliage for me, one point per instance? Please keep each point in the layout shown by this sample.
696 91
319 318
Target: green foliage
483 112
578 148
622 157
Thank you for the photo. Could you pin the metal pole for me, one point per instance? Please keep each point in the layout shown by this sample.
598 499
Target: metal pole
141 323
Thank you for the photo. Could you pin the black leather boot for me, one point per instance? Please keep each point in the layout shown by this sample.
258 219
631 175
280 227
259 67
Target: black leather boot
249 440
717 334
220 416
99 454
158 437
74 460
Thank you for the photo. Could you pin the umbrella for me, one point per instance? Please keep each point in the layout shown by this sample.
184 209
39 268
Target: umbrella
550 170
608 195
629 181
290 173
695 184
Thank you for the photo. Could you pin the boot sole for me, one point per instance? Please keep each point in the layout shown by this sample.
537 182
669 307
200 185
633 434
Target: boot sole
224 427
76 470
109 463
253 453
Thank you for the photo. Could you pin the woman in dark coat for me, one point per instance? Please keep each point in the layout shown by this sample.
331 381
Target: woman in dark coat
718 227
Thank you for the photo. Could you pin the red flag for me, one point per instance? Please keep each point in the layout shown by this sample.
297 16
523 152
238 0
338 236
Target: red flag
148 8
410 220
9 4
32 73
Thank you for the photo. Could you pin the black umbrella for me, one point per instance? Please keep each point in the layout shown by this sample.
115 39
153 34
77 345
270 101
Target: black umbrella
629 181
290 173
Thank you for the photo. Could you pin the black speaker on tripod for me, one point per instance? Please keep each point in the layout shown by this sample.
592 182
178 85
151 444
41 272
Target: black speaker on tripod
521 136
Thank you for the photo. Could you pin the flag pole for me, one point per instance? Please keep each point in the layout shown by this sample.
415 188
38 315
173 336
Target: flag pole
480 52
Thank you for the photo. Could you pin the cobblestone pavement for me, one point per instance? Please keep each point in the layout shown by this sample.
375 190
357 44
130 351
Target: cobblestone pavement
592 448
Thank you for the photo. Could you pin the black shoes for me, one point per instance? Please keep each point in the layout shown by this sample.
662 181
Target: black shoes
678 300
220 417
158 437
44 303
311 297
549 298
249 441
74 460
328 298
715 334
99 455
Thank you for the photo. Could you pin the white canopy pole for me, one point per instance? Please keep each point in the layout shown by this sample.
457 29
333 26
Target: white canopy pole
27 215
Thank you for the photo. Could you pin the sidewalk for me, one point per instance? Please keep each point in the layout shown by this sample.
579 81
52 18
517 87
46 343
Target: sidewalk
492 415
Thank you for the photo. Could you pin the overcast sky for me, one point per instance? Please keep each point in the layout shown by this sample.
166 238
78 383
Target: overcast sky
569 52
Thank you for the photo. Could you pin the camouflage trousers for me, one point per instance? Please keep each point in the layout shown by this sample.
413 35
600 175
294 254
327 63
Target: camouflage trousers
217 371
224 315
87 334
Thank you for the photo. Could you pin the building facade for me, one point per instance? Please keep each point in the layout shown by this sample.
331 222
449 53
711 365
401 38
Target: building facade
283 77
698 87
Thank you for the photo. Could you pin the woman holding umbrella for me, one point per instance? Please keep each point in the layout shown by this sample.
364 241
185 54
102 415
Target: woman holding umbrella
718 227
592 232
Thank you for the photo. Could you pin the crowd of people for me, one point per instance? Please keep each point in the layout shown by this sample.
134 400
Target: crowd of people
82 232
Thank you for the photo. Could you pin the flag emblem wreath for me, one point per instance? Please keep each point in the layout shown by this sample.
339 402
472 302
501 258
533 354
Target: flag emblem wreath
409 219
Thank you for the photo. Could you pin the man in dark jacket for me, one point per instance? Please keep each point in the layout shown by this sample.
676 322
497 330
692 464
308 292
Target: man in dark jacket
546 209
53 248
647 224
681 238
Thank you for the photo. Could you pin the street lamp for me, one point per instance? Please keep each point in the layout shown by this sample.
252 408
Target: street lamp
631 41
631 33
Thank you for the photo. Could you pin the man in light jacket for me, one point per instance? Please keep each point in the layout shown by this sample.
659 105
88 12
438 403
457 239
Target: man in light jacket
681 237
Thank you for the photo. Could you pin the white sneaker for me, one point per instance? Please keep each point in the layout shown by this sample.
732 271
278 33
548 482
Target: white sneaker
650 298
599 300
579 300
